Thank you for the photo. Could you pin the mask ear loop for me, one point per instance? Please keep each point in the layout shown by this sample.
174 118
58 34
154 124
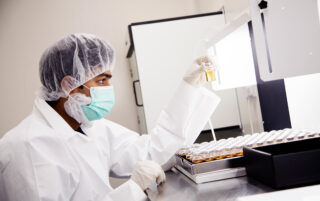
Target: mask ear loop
85 86
69 96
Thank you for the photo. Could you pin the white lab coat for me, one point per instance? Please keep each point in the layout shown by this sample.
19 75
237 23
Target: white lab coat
44 159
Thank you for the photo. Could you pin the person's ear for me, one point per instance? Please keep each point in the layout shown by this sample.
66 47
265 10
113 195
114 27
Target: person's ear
67 83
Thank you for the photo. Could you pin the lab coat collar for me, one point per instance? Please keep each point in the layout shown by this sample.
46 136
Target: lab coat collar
53 118
84 145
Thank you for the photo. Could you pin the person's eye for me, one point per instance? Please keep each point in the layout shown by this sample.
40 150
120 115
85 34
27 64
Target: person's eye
102 81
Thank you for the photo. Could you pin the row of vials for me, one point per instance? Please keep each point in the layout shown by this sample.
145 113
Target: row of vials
232 147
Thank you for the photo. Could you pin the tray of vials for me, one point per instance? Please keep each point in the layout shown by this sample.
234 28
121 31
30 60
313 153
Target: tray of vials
225 157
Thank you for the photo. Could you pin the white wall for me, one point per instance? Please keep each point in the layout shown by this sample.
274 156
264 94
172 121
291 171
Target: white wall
28 27
232 8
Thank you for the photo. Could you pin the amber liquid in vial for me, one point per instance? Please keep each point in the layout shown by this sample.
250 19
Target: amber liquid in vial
210 75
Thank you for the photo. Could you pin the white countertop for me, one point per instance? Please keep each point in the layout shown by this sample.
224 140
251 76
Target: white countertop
309 193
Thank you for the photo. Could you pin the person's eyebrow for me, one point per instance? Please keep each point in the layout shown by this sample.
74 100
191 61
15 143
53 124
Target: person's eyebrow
106 75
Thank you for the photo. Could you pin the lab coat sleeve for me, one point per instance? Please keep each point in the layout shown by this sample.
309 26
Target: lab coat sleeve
181 121
178 125
128 191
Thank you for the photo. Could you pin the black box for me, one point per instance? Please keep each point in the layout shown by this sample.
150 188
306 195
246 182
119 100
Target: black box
285 165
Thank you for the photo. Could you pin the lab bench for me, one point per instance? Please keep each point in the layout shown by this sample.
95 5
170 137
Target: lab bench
178 187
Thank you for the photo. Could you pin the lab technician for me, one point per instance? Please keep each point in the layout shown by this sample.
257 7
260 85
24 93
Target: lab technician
65 150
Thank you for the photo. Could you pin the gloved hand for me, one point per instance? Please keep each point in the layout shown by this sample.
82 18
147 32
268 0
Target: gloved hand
196 74
146 172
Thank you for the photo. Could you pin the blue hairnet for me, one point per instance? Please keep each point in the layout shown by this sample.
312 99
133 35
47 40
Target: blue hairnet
71 62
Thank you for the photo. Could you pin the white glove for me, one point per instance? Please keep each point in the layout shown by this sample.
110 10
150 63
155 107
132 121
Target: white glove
196 74
145 172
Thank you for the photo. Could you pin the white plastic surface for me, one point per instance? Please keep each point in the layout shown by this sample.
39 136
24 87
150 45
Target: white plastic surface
304 101
289 42
234 54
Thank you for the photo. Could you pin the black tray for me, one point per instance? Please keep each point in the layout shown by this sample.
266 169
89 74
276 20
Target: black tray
285 165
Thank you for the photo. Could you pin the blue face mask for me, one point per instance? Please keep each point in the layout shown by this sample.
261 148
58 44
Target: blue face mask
102 100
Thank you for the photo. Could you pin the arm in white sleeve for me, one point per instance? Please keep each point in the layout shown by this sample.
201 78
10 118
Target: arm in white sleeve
179 124
127 191
182 120
35 172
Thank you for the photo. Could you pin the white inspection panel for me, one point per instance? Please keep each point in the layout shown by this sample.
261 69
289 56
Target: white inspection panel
234 54
287 38
164 51
303 101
